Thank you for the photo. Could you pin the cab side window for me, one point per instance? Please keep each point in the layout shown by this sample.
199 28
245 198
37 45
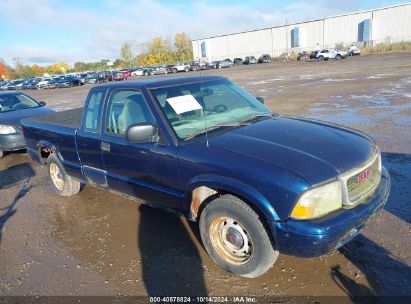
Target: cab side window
127 107
92 111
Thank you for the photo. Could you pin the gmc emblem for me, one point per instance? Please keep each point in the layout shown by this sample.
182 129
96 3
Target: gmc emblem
363 176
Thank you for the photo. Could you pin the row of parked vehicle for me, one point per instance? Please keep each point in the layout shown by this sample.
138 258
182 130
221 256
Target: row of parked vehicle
196 66
77 79
65 81
327 54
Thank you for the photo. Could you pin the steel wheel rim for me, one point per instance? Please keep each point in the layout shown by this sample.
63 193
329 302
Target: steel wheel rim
56 176
230 240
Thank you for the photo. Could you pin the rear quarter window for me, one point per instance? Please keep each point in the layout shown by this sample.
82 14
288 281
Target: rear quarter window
93 110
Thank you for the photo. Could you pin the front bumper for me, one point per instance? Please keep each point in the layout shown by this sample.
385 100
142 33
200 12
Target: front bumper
12 142
320 236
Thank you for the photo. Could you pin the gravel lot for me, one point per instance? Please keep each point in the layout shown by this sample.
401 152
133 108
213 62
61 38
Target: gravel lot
98 243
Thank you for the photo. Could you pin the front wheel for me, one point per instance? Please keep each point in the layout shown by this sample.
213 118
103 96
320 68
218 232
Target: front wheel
338 57
321 58
63 183
1 153
235 237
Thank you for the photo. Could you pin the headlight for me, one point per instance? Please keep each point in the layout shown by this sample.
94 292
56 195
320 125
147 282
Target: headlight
318 201
4 129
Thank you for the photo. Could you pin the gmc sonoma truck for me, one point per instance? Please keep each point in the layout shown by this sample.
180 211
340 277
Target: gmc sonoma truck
258 183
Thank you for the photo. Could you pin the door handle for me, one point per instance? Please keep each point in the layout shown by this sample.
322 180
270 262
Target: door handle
105 147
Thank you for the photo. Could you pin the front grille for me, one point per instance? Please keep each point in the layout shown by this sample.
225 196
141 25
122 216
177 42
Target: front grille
364 183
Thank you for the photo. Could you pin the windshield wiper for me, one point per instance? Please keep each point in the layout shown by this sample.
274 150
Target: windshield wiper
255 117
214 127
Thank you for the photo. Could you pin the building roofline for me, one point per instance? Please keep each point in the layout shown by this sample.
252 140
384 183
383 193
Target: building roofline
308 21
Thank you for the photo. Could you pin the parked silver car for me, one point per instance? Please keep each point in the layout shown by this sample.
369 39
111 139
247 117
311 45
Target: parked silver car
224 64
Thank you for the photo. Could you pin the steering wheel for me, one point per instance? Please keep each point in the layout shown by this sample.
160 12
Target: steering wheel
18 106
220 108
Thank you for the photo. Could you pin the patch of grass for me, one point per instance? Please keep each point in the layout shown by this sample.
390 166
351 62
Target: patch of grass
385 47
340 46
292 56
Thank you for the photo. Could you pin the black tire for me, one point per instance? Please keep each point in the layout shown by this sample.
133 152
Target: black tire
321 58
338 57
1 153
174 71
69 186
186 69
256 253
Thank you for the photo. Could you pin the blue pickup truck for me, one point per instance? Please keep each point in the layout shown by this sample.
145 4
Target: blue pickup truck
258 183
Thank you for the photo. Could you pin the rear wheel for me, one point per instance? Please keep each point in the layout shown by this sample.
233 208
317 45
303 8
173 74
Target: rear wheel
235 238
63 183
321 58
1 153
338 57
186 69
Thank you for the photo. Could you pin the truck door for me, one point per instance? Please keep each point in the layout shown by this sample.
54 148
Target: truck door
89 142
148 171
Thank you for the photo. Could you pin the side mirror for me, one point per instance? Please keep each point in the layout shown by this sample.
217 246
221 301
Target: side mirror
208 92
142 133
260 99
42 103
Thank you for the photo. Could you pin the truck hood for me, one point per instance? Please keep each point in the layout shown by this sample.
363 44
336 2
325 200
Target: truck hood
13 118
314 150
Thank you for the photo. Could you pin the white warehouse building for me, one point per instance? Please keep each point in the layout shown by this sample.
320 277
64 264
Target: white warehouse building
388 24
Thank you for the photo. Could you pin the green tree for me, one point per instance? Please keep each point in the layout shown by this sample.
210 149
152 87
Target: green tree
126 53
80 66
36 70
159 51
118 63
57 68
20 70
183 47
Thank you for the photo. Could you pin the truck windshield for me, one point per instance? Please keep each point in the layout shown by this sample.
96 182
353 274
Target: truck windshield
193 108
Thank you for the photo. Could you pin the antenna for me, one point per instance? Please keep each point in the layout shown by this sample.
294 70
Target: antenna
203 108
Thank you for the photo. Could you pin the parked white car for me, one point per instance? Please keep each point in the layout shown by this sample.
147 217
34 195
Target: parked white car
354 51
327 54
183 67
43 84
139 72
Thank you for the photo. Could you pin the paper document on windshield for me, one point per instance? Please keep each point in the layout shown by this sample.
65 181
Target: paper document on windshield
184 103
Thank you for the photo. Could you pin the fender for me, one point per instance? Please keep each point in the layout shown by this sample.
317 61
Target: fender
234 186
44 145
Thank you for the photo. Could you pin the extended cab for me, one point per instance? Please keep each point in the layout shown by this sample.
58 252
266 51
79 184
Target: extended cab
258 183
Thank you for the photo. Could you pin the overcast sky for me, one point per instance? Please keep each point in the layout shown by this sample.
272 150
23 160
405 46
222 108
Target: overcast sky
48 31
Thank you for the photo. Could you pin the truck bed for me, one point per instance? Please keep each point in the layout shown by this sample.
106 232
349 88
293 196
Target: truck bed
69 118
56 131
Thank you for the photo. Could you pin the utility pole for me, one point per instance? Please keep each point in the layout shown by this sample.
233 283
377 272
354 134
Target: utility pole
286 38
